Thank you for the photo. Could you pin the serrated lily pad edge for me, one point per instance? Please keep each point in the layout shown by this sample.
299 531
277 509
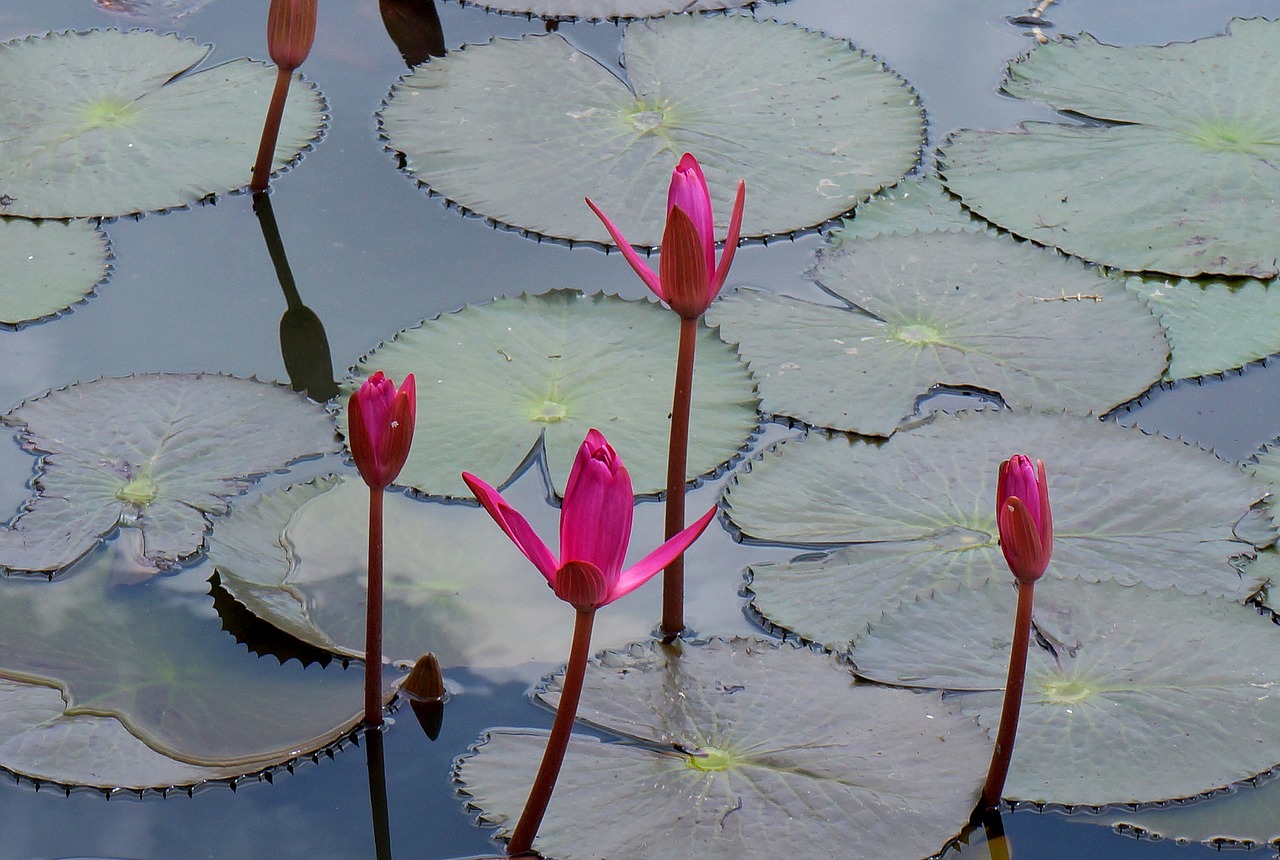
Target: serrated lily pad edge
108 272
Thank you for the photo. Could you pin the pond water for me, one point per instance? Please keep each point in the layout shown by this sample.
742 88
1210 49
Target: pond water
195 290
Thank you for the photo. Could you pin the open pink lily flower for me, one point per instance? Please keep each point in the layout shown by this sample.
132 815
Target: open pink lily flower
1024 518
688 279
380 428
595 528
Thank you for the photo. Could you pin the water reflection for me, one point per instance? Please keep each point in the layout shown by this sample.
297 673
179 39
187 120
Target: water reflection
414 25
375 758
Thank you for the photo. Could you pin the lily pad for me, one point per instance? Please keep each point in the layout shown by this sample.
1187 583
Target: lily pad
108 684
913 205
961 310
812 125
452 584
45 267
108 123
1133 695
918 511
162 452
493 380
1174 173
740 748
605 10
1244 817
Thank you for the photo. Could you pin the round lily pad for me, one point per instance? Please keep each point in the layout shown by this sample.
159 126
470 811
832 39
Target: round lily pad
812 125
107 123
963 310
1133 695
919 510
1175 171
740 748
163 452
48 266
913 205
605 10
494 380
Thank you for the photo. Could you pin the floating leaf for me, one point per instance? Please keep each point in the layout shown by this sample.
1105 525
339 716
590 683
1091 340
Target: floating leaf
812 125
160 451
452 584
912 205
109 123
740 748
492 380
919 510
965 310
45 267
605 10
1133 695
1242 818
1175 172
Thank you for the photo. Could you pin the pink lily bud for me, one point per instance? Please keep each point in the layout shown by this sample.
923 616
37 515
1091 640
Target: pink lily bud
689 194
1024 518
380 428
595 529
291 28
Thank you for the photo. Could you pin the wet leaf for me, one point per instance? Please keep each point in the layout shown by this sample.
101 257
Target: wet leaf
913 205
46 267
605 10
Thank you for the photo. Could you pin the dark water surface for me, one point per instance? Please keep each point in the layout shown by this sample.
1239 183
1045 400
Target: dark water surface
195 290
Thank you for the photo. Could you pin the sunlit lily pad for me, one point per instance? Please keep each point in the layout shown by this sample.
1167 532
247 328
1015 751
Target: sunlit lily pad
113 685
605 10
812 125
1175 172
162 452
963 310
453 584
494 379
109 123
739 749
912 205
919 510
1133 695
45 267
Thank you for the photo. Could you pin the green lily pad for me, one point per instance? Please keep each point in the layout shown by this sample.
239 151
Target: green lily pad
453 585
740 748
46 267
1244 817
605 10
1175 173
812 125
108 684
962 310
493 380
913 205
919 511
162 452
1133 695
108 123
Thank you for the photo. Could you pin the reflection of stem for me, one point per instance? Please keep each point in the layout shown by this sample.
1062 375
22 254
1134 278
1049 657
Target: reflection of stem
1003 754
373 617
677 459
545 782
993 830
275 247
270 131
378 794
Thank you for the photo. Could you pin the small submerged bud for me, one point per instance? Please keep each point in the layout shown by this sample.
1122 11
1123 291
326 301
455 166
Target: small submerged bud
424 688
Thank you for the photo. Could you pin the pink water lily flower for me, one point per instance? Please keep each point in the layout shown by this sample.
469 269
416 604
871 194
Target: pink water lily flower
688 279
595 528
1024 518
380 428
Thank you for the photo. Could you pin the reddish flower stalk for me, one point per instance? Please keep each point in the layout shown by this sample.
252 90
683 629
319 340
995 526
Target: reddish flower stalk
380 422
688 280
1026 538
291 29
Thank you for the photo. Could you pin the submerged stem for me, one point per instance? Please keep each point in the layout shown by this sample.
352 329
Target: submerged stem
677 460
270 131
545 782
376 760
373 617
993 789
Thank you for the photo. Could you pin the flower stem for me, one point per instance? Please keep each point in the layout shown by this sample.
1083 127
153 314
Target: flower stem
545 782
373 617
993 789
677 460
270 131
376 761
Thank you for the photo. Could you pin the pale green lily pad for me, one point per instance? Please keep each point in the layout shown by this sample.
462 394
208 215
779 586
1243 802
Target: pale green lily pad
913 205
1245 817
962 310
453 584
605 10
163 452
113 685
109 123
1213 325
46 267
812 125
1265 465
919 510
492 380
740 748
1133 695
1175 175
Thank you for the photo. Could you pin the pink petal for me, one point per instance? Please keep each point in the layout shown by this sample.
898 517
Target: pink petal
595 519
643 570
730 244
688 192
515 525
641 267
